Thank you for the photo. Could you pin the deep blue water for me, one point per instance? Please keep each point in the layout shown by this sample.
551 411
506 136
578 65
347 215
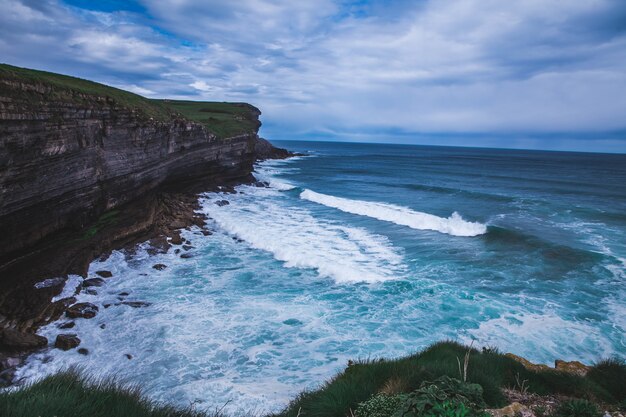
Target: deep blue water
356 251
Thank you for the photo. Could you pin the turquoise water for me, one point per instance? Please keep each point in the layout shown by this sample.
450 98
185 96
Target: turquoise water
365 251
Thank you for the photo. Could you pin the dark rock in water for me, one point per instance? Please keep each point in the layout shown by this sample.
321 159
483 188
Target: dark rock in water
128 356
176 239
82 310
206 233
187 247
222 203
186 255
15 340
107 305
292 322
103 326
261 184
136 304
105 274
7 376
265 150
124 294
177 251
93 282
67 325
159 267
66 341
91 291
83 351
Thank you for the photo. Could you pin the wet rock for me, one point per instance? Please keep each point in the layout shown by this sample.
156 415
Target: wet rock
511 410
222 203
82 310
136 304
107 305
104 274
103 326
128 356
91 291
159 267
573 367
7 376
83 351
261 184
176 239
206 232
177 251
124 294
66 341
93 282
67 325
187 247
186 255
9 363
16 340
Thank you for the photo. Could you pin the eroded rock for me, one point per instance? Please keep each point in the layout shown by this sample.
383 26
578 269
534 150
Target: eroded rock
104 274
13 339
66 341
82 310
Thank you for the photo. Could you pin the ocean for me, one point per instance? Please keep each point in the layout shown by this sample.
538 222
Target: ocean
366 251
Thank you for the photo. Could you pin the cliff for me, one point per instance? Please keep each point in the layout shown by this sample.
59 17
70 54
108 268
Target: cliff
75 154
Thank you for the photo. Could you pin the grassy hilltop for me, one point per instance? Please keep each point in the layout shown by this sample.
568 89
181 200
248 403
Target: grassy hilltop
222 119
428 383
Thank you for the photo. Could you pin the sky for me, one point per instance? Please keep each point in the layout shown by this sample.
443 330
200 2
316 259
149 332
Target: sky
535 74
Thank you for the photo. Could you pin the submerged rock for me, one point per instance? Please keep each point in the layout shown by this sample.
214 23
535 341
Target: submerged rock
128 356
66 341
93 282
222 203
105 274
82 310
13 339
186 255
136 304
159 267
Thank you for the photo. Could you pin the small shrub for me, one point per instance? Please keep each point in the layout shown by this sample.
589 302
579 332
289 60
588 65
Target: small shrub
461 398
610 374
577 408
380 405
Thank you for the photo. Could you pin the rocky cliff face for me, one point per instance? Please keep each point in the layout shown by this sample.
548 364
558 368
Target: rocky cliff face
67 158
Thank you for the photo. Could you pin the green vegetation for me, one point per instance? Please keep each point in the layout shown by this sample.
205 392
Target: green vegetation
76 89
491 370
428 384
222 119
68 395
108 218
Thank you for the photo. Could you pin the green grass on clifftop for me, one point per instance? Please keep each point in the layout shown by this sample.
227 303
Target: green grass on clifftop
70 88
222 119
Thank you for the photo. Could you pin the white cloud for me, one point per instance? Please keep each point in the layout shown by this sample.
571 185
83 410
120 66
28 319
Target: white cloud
332 66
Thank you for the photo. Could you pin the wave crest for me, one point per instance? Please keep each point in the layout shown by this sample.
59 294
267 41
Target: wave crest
454 225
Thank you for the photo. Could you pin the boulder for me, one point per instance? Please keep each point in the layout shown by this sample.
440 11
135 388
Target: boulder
66 341
176 239
13 339
573 367
104 274
93 282
82 310
222 203
67 325
186 255
83 351
159 267
528 364
512 410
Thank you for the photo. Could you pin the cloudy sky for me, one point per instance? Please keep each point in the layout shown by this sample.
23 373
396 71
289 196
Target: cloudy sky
546 74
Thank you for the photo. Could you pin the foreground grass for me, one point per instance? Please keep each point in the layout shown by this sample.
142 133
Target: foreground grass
492 370
69 394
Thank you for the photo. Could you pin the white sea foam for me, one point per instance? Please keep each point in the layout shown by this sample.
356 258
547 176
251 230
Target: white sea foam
73 281
294 236
453 225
